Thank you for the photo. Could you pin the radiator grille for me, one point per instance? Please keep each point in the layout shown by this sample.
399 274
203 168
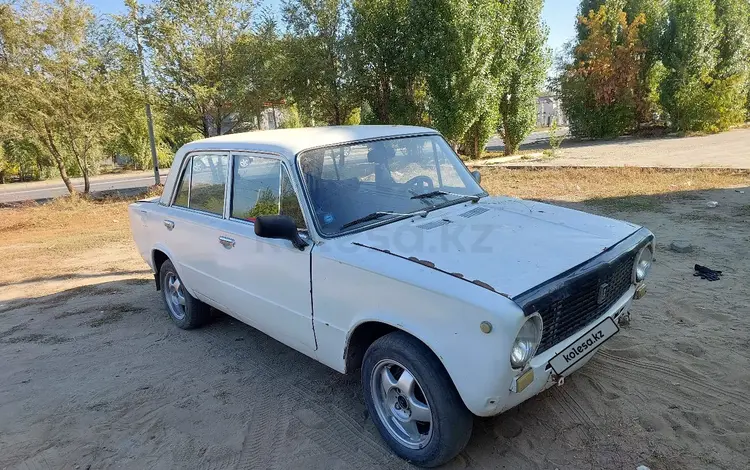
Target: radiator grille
564 314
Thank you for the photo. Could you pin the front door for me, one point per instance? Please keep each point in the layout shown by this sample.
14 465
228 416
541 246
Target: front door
267 281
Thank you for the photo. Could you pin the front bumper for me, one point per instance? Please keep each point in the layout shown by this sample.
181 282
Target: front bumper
543 375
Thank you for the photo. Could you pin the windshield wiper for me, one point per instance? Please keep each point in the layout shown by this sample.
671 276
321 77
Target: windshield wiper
473 197
379 214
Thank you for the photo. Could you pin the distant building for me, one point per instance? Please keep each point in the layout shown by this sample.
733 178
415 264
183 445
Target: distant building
270 118
548 109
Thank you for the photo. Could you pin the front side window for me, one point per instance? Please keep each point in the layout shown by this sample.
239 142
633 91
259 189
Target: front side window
357 181
208 182
261 186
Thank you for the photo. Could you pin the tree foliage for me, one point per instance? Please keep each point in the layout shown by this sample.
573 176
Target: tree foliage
56 90
733 67
317 50
195 47
521 70
703 89
384 66
599 90
455 47
692 72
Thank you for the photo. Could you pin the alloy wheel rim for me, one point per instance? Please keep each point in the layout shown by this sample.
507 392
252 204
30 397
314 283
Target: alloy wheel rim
175 295
401 404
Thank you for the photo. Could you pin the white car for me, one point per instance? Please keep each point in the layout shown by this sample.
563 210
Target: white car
373 248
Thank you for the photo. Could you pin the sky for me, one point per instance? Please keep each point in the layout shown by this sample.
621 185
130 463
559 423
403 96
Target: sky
559 15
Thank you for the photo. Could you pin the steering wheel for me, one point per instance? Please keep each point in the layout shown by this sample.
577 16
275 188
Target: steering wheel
422 182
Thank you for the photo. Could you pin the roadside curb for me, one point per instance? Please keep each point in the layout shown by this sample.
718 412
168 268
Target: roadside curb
547 166
56 180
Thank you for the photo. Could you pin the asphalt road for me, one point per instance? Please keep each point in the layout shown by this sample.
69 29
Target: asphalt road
535 140
44 190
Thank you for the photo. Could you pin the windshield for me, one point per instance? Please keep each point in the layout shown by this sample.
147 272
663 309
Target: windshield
354 185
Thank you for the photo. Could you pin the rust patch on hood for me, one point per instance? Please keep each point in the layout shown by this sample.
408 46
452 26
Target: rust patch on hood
432 265
424 262
483 284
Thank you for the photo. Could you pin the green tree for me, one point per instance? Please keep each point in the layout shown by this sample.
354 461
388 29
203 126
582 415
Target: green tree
521 71
118 44
703 89
456 49
733 67
24 159
384 70
261 65
317 77
652 70
56 91
194 45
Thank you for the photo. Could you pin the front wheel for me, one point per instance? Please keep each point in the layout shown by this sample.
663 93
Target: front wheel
413 401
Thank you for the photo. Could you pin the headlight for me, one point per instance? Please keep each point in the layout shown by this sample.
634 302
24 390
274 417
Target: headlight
527 340
643 262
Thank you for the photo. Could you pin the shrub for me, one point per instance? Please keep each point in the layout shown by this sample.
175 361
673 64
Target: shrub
708 106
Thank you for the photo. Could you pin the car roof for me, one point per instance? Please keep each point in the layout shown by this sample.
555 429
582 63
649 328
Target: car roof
289 142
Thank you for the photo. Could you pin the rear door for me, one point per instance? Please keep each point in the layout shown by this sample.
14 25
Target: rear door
193 225
267 281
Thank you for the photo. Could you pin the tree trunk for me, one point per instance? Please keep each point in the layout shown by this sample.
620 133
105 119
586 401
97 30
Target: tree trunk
337 114
50 143
476 145
509 143
206 128
384 98
86 183
218 121
64 174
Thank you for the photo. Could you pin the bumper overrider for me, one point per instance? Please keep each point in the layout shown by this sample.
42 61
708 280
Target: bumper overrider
580 314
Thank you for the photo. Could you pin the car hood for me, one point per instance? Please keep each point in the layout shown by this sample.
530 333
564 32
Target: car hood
506 244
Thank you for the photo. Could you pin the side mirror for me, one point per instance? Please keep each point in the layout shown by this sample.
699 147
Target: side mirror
477 176
279 226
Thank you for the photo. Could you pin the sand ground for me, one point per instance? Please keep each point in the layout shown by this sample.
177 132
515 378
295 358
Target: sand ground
94 375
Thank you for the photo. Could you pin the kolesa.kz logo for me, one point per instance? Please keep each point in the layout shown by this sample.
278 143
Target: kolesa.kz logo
574 352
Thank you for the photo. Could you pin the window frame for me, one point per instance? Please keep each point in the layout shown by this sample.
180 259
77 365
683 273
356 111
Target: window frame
283 167
187 166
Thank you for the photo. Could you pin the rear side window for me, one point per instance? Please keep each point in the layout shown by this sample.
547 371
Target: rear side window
208 182
261 186
183 191
203 183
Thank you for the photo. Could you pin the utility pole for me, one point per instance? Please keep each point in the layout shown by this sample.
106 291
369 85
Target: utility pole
144 82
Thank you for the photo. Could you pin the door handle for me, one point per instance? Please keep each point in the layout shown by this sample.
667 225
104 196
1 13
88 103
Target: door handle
169 224
227 242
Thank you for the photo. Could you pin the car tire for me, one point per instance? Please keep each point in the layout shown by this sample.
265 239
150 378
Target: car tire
426 444
186 311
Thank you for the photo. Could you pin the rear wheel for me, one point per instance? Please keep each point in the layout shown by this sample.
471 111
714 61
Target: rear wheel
185 310
413 401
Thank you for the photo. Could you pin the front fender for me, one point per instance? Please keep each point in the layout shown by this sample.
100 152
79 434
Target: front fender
478 363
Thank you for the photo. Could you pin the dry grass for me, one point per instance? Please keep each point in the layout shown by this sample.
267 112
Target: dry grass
71 236
579 184
51 239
